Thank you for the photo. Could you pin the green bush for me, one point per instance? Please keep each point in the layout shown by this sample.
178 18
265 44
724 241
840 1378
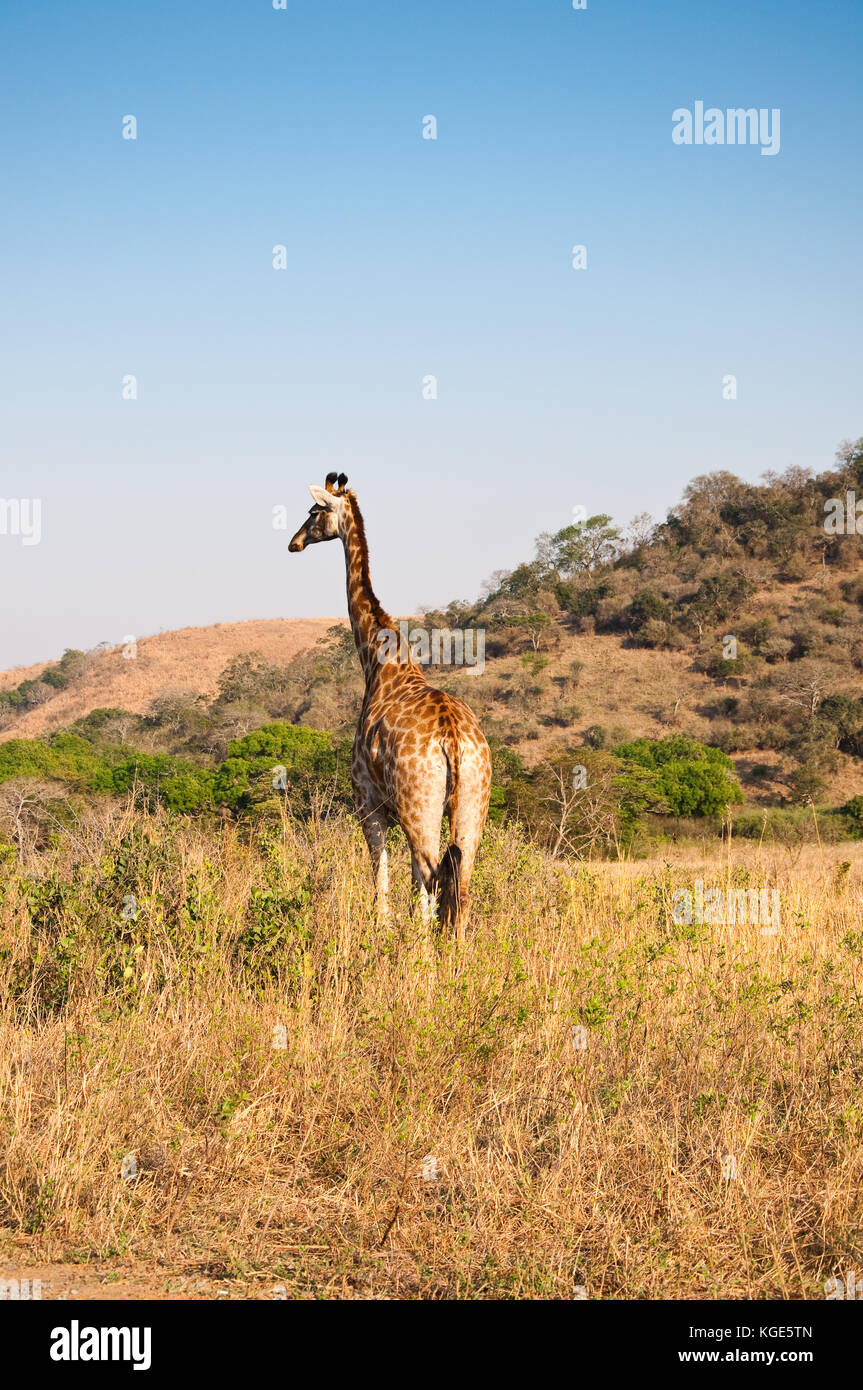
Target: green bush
248 776
789 825
65 758
853 812
644 607
690 778
250 773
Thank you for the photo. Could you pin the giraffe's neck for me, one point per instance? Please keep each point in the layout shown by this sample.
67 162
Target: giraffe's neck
368 619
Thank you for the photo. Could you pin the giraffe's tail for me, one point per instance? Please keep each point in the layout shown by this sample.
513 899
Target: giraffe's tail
449 887
449 868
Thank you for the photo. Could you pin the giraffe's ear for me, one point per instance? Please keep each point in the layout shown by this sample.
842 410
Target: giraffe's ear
321 497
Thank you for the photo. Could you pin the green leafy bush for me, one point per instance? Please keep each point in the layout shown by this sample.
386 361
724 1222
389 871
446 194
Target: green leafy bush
286 758
853 812
690 778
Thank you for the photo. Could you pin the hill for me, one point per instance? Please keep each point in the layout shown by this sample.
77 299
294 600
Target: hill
190 660
735 623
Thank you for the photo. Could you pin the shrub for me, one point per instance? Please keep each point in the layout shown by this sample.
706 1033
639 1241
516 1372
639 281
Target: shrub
853 811
691 778
309 758
644 607
806 784
596 736
654 633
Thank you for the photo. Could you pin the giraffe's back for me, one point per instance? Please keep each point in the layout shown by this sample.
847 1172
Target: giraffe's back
410 743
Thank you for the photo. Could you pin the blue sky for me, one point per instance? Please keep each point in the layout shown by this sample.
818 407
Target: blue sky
405 257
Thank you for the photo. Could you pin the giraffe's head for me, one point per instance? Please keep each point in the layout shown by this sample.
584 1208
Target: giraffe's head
324 518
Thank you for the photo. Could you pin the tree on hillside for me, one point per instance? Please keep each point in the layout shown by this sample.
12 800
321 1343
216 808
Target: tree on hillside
535 626
644 607
177 709
23 807
849 457
717 597
581 547
803 684
691 778
698 520
588 802
524 582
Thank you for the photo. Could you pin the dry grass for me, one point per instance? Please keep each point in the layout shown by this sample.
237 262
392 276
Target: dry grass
556 1165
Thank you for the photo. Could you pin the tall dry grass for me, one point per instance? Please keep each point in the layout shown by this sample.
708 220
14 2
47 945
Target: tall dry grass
556 1165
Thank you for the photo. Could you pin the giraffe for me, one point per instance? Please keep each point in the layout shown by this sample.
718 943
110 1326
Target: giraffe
418 752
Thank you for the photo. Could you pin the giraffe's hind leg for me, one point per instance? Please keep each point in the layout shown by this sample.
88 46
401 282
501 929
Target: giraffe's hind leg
467 827
420 795
428 907
374 827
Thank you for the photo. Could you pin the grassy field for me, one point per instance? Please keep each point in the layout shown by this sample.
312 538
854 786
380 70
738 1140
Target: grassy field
588 1099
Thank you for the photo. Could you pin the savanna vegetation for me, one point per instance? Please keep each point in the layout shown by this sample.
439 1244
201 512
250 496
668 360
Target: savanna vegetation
218 1075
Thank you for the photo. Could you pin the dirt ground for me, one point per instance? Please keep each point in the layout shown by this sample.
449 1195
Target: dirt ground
114 1280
